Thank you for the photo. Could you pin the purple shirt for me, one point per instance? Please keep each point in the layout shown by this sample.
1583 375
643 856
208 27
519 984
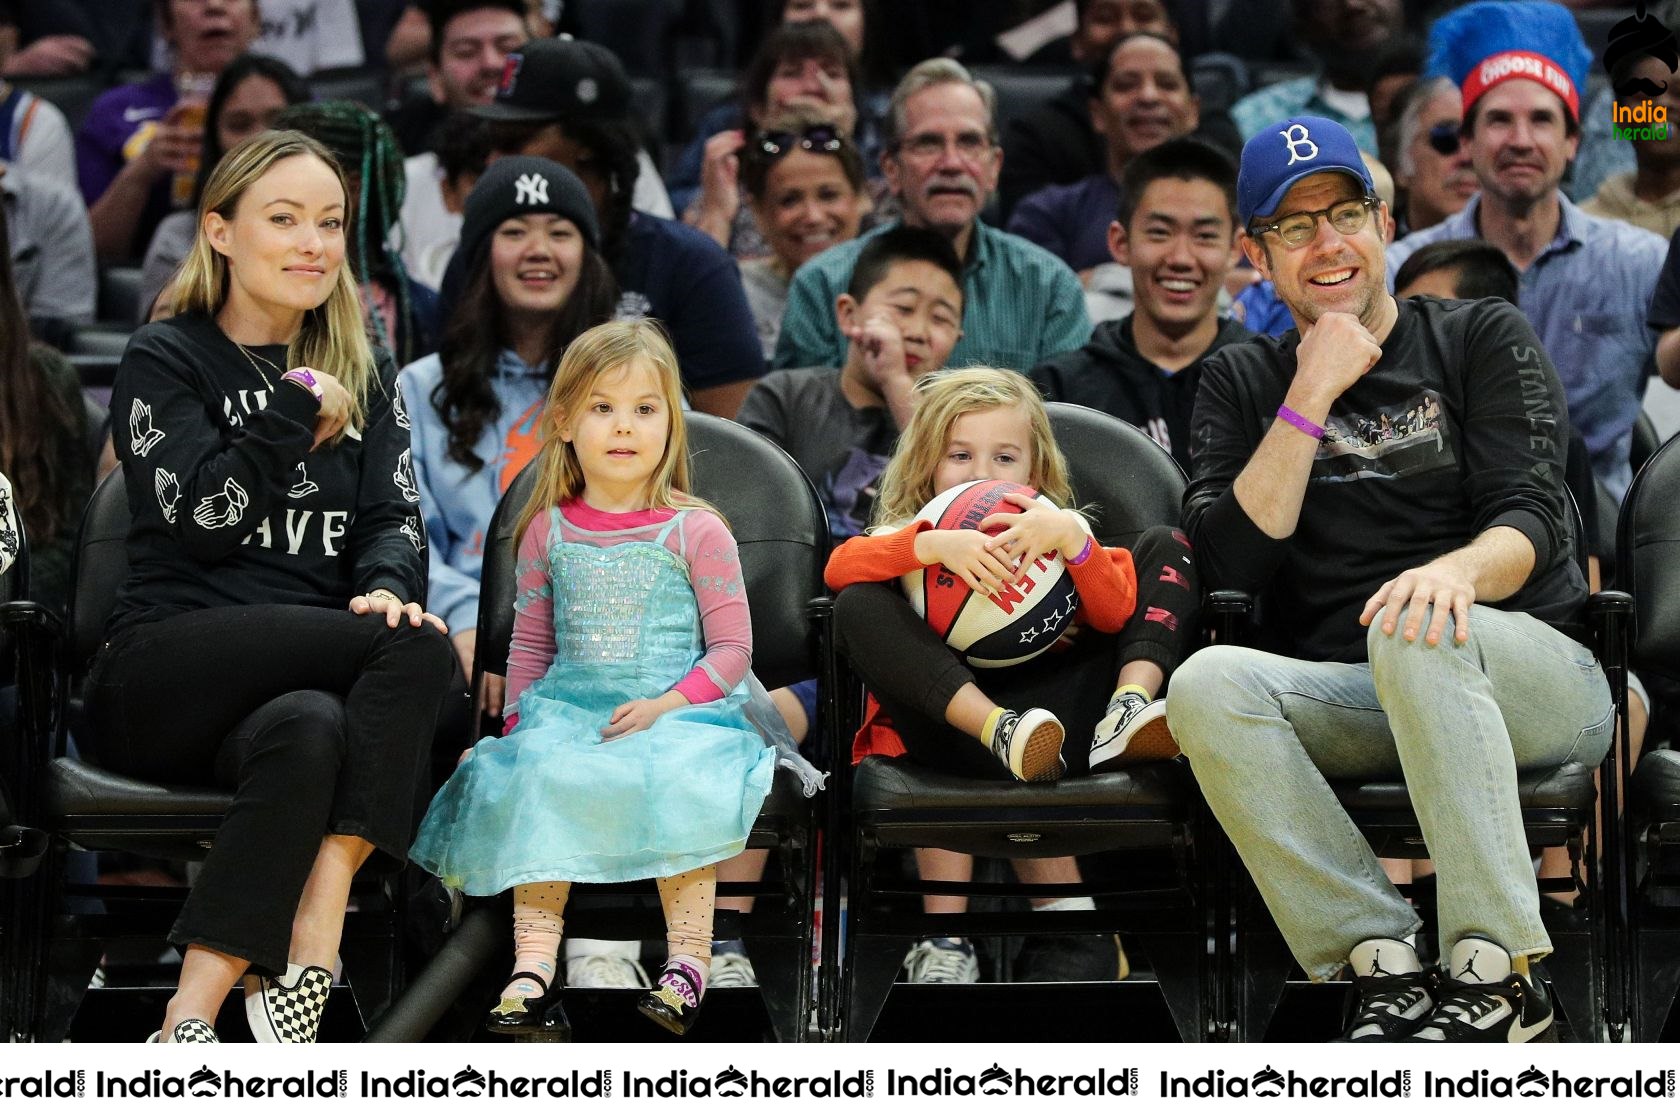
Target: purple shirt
1071 221
116 129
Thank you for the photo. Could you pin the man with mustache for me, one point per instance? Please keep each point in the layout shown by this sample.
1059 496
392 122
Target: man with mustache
1585 280
941 161
1389 479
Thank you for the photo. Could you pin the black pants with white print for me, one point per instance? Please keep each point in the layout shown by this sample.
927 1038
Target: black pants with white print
913 674
320 721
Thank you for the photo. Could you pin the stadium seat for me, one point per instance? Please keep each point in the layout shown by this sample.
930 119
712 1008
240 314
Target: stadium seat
119 296
782 534
1560 808
86 806
366 85
1020 90
73 95
1220 80
698 93
886 806
1650 560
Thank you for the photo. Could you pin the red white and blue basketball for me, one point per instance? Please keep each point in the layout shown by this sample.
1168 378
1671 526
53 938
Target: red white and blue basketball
1015 625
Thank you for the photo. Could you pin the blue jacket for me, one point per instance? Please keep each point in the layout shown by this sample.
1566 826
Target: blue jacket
455 501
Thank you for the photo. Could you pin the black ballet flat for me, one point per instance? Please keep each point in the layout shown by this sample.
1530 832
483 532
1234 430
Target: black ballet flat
541 1014
667 1005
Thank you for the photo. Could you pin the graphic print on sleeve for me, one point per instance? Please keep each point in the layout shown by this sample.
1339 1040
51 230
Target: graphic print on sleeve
302 488
168 493
218 511
143 435
403 476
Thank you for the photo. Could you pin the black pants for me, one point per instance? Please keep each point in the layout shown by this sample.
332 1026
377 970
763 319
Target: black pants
913 674
320 721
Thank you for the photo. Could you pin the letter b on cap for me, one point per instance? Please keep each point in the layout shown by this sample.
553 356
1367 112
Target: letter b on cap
1299 143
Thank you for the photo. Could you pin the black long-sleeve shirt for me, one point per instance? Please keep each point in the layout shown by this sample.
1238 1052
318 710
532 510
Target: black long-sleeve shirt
230 505
1459 427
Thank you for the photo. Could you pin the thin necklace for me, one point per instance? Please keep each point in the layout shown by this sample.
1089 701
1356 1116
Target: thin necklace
253 359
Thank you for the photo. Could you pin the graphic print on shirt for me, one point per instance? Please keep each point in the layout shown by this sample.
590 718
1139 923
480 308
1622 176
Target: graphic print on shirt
524 440
218 511
851 493
302 488
250 400
1398 441
399 412
411 530
143 435
403 476
168 493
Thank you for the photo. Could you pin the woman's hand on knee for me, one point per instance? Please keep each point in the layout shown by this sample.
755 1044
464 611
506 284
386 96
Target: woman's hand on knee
390 604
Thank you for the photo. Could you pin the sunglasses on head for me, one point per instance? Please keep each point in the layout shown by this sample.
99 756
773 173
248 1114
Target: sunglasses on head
817 138
1444 137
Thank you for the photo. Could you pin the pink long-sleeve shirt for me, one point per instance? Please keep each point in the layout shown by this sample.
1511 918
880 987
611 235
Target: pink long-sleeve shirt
706 548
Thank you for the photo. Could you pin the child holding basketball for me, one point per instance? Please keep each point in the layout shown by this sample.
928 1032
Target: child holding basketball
627 754
975 424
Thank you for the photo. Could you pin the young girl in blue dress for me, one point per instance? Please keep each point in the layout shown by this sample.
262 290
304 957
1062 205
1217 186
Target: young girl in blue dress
627 754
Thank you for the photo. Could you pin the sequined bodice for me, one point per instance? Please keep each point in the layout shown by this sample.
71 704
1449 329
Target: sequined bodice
625 617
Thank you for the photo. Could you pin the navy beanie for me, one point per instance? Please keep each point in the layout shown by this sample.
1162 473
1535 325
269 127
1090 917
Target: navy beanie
516 185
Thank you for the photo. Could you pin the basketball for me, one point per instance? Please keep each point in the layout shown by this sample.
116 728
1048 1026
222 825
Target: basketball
1015 625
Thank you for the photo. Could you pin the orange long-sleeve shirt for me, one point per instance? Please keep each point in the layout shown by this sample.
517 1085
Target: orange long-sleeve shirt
1106 581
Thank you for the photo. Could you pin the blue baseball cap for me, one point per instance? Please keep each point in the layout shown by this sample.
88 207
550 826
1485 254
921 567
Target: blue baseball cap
1276 158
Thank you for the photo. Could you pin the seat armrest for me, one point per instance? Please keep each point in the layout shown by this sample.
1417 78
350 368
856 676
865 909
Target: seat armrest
1228 612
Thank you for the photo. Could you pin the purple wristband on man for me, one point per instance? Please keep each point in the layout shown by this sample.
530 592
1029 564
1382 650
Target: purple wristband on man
1297 421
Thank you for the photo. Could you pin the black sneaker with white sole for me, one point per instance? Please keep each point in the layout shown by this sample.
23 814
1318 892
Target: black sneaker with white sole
1483 999
1392 992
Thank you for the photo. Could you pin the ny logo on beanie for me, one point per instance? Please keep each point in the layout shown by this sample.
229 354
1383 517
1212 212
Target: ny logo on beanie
530 190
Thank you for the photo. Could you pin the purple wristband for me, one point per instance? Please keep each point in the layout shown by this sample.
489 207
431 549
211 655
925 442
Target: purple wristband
1301 423
1084 553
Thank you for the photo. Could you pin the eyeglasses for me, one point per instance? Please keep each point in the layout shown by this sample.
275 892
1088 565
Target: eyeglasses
1444 137
1295 230
931 145
817 138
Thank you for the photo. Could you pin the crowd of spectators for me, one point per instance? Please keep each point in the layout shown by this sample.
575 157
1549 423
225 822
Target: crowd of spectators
867 192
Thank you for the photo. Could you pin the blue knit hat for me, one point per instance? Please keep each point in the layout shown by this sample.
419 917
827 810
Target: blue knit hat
1483 44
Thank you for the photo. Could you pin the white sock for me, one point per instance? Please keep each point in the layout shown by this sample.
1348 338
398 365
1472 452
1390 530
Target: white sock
1066 905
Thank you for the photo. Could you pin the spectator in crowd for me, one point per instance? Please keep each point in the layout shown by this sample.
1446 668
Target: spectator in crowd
1345 36
1378 483
269 634
804 182
63 38
311 35
471 40
402 315
569 101
1432 176
1059 142
33 133
11 529
798 66
1177 232
51 253
535 281
1664 315
438 182
1580 274
1021 304
1258 306
44 446
1143 96
249 95
1649 195
137 150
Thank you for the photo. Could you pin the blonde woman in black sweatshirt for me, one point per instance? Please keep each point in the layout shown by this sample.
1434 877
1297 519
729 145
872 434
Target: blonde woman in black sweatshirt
270 636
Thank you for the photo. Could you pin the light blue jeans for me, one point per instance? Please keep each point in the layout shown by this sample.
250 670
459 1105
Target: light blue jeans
1263 733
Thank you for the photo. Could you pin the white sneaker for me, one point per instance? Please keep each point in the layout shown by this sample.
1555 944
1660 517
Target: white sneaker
1134 730
731 968
601 971
1030 744
942 960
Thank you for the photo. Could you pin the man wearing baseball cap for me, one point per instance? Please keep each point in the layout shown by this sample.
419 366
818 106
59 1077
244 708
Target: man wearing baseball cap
1585 280
1388 477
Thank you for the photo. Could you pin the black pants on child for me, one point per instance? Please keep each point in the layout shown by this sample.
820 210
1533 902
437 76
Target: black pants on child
320 721
913 674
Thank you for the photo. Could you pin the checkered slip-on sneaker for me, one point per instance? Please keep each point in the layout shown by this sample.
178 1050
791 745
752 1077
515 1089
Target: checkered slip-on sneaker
288 1008
188 1030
